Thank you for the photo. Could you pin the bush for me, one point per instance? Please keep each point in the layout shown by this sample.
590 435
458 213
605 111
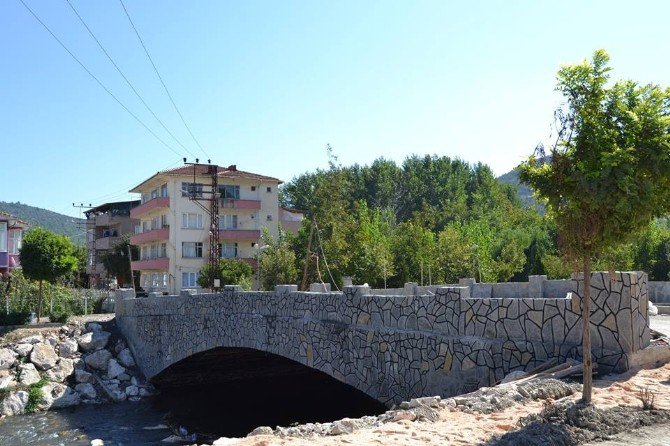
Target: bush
35 395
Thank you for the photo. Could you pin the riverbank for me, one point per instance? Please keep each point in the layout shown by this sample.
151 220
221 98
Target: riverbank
83 362
493 416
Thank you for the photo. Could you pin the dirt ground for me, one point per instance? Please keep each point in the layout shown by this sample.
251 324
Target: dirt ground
455 427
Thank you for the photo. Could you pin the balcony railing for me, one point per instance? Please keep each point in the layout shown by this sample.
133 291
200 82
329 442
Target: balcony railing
232 203
150 236
239 234
156 203
157 264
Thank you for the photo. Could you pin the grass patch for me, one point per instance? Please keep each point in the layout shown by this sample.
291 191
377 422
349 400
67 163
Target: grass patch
35 395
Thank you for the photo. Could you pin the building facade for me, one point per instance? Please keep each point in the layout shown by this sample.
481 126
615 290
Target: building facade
11 236
106 225
174 222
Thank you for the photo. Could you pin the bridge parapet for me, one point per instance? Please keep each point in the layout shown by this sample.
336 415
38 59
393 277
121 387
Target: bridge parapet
393 347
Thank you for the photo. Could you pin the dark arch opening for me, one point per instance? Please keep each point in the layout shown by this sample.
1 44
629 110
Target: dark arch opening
231 391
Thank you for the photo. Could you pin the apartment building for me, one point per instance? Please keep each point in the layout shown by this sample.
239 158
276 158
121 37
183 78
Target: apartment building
11 235
173 229
106 225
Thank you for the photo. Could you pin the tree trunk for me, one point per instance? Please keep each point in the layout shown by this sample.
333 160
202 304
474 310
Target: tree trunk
586 340
39 304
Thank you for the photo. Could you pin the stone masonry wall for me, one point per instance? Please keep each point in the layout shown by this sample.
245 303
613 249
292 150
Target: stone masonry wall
393 347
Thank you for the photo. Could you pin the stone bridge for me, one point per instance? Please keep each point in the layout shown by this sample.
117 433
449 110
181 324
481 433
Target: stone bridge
418 342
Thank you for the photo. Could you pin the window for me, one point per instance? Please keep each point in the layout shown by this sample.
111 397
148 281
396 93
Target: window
15 237
146 226
154 194
144 253
193 190
228 250
163 251
191 249
156 223
145 198
229 191
228 222
164 192
191 221
253 188
3 236
189 280
159 280
164 221
269 189
154 251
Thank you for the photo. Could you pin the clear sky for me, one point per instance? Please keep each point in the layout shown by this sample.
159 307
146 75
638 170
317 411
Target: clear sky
266 85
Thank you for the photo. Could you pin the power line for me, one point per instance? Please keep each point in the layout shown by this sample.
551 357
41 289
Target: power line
161 79
96 79
124 77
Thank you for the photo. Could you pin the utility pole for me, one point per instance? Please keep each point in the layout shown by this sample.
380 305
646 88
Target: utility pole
90 247
209 202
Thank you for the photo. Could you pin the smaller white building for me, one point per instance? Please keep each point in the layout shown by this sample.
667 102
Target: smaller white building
173 230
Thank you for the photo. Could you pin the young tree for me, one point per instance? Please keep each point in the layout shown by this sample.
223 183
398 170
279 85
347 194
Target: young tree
46 256
276 261
609 173
229 271
116 260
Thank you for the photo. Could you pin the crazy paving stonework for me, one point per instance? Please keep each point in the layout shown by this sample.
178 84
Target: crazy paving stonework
394 347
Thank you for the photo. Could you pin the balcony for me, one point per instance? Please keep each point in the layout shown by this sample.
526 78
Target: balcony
231 203
156 203
105 242
150 236
157 264
239 234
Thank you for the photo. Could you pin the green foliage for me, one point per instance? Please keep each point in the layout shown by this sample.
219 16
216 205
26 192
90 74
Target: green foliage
277 261
609 174
52 221
229 272
47 256
373 261
116 260
35 395
14 318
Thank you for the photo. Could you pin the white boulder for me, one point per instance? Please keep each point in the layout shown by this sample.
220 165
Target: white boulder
60 371
23 349
43 356
98 360
56 396
34 339
93 340
114 369
68 348
82 376
28 374
132 391
86 390
126 358
7 358
14 403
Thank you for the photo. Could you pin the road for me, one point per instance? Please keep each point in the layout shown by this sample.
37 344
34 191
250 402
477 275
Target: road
660 323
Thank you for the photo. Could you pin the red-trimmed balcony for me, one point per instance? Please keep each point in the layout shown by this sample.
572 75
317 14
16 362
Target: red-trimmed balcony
158 264
239 234
156 203
231 203
150 236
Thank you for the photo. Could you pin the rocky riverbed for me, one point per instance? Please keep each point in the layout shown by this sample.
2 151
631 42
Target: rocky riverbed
77 363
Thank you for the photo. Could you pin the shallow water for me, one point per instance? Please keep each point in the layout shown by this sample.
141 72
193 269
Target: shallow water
121 424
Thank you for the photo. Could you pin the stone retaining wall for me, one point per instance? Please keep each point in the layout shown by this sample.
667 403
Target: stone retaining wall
394 347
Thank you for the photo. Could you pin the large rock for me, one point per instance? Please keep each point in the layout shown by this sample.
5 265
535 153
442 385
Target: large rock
61 371
93 340
86 390
23 349
114 369
34 339
43 356
14 403
28 374
82 376
126 358
56 396
93 326
68 348
7 358
98 360
7 379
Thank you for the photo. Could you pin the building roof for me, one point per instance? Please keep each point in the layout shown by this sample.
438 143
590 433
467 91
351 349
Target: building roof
6 216
101 209
203 170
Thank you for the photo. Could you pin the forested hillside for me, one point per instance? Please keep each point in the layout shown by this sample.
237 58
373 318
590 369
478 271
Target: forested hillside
434 220
53 221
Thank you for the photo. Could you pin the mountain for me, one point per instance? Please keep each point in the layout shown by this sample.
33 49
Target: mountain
53 221
525 192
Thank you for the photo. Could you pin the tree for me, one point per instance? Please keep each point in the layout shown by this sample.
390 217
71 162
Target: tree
276 261
46 256
116 261
609 172
229 272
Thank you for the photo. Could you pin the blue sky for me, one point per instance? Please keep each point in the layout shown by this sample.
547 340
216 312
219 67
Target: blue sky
266 85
